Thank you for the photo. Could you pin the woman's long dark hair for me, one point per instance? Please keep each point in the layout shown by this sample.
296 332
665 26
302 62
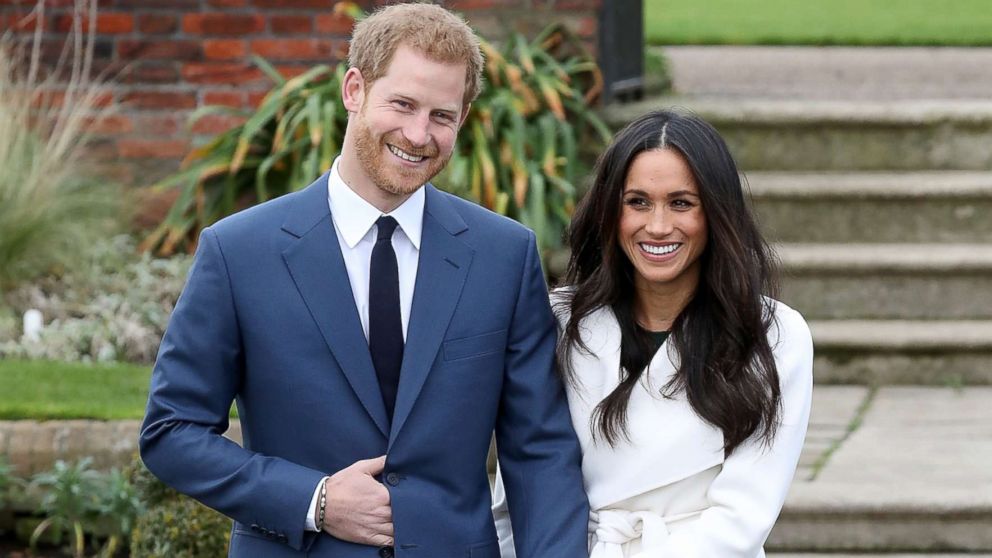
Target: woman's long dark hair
726 367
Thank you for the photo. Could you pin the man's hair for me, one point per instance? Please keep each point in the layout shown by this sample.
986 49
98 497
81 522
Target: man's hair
429 29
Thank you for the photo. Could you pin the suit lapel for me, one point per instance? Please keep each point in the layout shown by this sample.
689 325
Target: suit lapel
317 267
441 273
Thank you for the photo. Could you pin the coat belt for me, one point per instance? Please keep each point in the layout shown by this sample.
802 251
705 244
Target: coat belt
615 527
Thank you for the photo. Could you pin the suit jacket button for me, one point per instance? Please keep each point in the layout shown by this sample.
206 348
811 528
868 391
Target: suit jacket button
386 552
282 538
254 527
393 479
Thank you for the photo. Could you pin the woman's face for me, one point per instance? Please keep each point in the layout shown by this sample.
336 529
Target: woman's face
662 224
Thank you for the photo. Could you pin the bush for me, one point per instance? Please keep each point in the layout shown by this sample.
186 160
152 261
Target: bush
114 306
7 481
51 206
120 507
173 525
517 154
180 528
88 509
70 496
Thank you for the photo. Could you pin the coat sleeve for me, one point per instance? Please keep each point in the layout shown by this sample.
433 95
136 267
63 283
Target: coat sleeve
195 379
538 451
747 495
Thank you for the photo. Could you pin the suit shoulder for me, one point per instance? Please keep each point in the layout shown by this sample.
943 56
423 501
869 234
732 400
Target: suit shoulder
273 210
478 217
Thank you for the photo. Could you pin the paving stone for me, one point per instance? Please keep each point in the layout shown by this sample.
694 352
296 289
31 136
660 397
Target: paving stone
928 442
820 555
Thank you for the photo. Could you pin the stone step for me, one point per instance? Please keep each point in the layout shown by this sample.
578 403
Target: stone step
888 281
910 475
834 207
887 528
783 135
885 352
831 72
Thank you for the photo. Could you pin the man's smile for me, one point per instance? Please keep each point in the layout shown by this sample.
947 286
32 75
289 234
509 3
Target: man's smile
404 155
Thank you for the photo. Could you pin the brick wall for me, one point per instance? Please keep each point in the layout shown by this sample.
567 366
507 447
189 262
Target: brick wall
172 56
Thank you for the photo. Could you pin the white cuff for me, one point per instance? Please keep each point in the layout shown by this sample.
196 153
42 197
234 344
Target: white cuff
312 510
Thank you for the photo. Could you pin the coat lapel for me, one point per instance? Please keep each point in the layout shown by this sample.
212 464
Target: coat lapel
317 267
441 273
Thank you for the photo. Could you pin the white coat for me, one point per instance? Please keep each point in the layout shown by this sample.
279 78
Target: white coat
669 492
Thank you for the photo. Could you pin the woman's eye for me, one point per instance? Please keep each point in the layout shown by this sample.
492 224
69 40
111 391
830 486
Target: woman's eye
636 202
682 204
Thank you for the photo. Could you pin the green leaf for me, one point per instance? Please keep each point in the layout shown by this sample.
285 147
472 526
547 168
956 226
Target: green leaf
269 70
519 152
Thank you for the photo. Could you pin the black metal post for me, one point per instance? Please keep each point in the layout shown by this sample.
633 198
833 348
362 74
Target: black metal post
621 49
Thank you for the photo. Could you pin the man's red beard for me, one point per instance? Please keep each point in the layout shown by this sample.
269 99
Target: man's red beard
391 176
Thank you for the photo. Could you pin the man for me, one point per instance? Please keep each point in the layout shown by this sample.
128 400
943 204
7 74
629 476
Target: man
373 331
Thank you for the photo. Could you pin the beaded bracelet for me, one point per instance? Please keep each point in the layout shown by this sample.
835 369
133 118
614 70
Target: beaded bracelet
322 506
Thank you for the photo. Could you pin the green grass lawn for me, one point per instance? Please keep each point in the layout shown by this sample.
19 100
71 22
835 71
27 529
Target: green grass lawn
819 22
58 390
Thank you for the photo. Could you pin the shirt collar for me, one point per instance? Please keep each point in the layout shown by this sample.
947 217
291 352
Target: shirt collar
354 216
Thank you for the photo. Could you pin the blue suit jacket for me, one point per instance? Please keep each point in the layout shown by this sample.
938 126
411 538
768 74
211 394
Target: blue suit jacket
267 318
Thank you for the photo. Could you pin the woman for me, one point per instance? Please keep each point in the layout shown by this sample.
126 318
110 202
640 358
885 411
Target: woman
689 387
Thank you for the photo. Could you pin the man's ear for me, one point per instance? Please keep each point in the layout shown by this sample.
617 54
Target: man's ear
465 111
353 90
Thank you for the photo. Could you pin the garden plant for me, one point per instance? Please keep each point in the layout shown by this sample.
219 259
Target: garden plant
51 203
106 303
518 153
92 512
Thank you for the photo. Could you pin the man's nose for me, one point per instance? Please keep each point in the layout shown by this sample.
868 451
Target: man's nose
418 130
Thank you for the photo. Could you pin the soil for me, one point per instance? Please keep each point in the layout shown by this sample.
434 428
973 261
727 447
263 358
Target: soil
11 548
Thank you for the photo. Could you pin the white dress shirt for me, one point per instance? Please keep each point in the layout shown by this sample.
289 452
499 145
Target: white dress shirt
354 220
354 223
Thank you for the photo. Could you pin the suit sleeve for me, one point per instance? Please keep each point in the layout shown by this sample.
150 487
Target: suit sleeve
747 495
538 451
195 379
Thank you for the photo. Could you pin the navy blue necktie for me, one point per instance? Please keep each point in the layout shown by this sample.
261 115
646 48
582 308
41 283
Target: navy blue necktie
385 326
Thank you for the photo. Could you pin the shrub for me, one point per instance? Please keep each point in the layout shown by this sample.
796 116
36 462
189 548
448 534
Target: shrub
173 525
75 500
119 508
70 497
6 481
180 528
517 153
114 306
50 203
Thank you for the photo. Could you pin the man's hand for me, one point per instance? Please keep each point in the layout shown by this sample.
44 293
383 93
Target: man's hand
357 508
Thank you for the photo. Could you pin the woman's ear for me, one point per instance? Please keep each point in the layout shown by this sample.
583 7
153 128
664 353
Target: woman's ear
353 90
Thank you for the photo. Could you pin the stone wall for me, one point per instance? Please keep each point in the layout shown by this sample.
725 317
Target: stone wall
173 56
32 446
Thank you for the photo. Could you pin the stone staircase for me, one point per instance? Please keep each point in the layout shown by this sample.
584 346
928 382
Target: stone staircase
880 209
888 259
